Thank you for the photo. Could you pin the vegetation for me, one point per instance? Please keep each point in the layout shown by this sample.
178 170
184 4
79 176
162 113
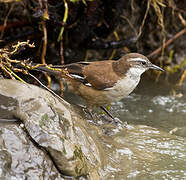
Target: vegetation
61 32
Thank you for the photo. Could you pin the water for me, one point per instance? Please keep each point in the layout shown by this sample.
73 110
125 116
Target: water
154 144
154 105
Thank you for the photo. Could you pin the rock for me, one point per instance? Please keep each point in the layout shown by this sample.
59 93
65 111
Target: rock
20 159
54 125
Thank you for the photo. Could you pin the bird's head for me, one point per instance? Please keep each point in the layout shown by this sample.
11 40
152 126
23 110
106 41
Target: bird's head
138 63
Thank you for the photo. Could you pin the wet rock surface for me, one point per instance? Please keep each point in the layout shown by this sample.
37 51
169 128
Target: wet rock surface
20 159
80 148
52 125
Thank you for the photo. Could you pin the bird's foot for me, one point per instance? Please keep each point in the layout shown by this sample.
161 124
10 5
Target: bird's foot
115 120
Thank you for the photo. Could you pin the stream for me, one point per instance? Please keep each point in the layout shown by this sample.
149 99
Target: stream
152 145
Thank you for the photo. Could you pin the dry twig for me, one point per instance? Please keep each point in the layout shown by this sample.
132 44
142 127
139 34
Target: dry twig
177 35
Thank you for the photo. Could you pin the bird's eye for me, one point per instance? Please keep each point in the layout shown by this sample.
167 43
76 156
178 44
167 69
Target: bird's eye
143 63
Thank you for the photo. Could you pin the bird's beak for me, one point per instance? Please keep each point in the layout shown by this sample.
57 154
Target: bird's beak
156 67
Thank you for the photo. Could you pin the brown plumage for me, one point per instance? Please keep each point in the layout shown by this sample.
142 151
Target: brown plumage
102 82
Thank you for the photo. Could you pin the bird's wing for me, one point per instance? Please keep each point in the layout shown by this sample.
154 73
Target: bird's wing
98 75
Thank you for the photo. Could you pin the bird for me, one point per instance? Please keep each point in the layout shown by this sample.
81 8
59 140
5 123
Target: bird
105 81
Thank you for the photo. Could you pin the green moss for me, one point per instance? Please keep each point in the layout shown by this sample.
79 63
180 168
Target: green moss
44 119
64 150
82 167
78 153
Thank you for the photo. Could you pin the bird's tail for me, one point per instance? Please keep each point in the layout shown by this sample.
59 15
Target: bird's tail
50 69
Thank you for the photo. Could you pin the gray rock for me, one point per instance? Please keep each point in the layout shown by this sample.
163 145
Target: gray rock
53 125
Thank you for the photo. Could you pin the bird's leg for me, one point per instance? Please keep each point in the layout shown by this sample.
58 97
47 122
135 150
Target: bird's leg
107 112
116 120
94 118
87 110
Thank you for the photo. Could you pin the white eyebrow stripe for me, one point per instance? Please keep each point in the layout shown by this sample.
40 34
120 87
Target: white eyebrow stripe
138 59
